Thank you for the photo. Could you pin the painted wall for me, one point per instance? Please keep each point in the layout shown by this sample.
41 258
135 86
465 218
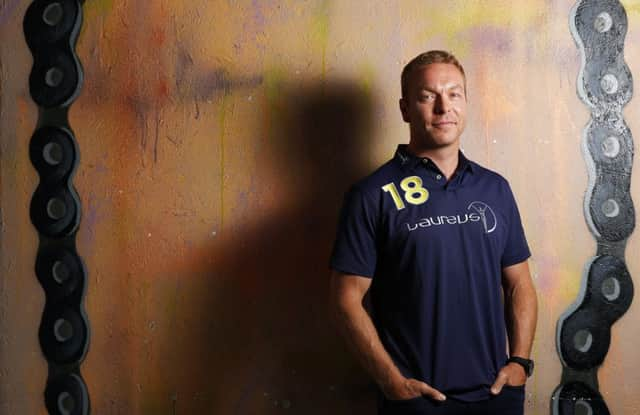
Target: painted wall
217 139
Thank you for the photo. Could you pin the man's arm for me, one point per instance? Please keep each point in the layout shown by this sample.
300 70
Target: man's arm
355 325
521 313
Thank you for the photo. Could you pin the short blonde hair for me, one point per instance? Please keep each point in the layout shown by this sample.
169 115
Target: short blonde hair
427 58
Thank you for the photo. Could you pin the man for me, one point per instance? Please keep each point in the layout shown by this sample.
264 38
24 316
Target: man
437 241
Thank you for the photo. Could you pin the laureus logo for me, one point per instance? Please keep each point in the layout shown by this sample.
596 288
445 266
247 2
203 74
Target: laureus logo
487 216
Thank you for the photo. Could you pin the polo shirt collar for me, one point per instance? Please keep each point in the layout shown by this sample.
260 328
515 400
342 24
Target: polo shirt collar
410 161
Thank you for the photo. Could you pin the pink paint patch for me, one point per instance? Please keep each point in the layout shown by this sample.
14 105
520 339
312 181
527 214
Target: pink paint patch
7 11
492 39
547 278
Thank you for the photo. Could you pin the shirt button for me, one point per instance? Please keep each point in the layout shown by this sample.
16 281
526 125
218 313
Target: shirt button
439 177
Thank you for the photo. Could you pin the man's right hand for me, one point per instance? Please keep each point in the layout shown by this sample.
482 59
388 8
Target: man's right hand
346 303
406 388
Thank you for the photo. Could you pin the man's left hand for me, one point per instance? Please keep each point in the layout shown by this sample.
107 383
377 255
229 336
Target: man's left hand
512 374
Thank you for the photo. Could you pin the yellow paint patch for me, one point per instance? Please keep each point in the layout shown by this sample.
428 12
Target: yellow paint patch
463 15
632 6
98 6
569 286
459 16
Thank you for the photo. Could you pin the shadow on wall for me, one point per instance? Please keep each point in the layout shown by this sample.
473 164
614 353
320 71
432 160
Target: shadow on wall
265 343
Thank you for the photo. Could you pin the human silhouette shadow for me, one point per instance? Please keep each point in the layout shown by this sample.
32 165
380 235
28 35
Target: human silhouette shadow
263 341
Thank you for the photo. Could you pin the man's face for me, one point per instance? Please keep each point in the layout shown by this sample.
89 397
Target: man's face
435 105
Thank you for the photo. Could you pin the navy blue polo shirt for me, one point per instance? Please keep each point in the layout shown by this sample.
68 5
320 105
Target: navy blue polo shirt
435 251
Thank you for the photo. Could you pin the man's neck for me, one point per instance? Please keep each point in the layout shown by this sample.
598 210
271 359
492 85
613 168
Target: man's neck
446 158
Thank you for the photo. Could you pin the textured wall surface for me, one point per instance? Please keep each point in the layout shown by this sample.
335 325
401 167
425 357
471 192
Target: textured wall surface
216 141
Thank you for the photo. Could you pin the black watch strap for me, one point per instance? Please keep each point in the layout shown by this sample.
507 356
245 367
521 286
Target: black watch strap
527 364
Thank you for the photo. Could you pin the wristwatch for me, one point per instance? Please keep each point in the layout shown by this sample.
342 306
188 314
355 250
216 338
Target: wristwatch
527 364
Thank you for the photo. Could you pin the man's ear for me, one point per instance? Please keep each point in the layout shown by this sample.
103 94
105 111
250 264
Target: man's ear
404 110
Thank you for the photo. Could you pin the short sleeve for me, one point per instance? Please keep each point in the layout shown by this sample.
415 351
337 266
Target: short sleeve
516 248
354 250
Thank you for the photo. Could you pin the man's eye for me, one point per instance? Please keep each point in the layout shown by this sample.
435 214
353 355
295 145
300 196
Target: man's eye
427 97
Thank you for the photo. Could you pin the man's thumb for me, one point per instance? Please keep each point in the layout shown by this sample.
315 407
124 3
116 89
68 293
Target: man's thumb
433 393
497 387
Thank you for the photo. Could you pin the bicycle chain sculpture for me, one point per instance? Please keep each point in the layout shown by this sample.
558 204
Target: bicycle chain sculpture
605 85
51 30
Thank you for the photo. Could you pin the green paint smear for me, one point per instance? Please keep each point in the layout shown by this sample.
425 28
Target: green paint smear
321 31
367 76
273 81
222 125
273 84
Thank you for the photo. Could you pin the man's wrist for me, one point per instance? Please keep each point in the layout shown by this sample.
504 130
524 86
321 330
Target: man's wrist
526 364
518 367
392 381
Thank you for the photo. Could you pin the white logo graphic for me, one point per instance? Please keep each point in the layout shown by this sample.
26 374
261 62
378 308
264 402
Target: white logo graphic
480 212
487 216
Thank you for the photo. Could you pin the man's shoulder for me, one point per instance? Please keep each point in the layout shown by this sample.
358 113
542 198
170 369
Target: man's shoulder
492 182
485 173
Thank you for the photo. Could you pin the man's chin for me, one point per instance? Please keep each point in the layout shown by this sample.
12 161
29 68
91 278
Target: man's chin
442 141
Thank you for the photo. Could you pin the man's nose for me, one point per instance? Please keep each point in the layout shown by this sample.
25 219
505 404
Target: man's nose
443 105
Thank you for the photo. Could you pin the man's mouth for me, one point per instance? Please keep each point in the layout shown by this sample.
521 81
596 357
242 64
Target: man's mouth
443 123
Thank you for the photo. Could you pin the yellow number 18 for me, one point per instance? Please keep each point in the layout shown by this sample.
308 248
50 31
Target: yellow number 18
414 193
